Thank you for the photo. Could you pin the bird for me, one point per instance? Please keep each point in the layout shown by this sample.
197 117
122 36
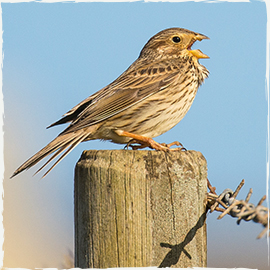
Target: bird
145 101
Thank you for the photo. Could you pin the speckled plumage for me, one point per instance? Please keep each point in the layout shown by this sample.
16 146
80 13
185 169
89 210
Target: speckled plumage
148 99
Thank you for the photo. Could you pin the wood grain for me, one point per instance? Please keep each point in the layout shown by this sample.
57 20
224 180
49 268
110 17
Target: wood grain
140 208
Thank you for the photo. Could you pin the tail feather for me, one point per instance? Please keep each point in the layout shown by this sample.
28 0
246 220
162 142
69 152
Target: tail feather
60 143
71 145
63 147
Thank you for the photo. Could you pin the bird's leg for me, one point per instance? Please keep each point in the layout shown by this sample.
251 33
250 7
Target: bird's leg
135 147
143 141
148 142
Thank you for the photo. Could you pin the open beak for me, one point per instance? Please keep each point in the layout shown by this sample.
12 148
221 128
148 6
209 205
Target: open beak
197 53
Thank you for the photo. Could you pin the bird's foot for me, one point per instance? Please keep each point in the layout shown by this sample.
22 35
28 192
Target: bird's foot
144 142
149 143
140 145
181 148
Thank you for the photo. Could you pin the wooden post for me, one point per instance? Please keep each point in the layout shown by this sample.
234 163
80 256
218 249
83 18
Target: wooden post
140 208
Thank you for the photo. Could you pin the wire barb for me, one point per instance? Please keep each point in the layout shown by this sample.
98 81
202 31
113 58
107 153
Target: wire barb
240 209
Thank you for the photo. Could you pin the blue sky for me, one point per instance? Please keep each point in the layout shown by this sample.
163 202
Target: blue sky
56 55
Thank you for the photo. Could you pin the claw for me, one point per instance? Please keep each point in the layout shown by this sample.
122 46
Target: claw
135 147
182 148
147 142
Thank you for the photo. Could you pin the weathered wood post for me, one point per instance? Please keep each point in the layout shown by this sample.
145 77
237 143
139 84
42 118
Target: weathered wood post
140 208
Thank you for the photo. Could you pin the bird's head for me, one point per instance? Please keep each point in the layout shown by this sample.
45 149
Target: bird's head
173 41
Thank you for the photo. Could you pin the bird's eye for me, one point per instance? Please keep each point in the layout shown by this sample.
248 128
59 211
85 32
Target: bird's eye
176 39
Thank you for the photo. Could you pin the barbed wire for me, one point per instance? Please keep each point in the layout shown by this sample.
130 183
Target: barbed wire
227 203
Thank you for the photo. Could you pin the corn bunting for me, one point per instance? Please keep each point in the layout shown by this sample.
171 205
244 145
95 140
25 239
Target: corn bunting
148 99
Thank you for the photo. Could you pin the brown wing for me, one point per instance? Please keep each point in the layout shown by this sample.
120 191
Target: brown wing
127 90
121 94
